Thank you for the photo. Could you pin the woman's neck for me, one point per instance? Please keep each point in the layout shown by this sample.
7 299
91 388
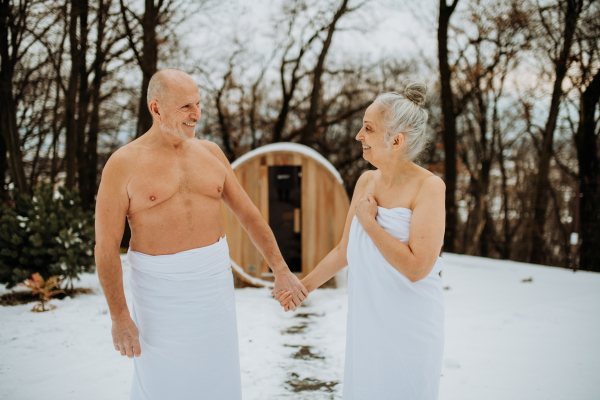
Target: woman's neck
395 171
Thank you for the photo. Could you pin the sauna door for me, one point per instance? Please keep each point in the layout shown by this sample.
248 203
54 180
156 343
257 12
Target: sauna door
284 212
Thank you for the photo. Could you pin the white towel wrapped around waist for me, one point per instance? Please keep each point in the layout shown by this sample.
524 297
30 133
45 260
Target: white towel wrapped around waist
184 308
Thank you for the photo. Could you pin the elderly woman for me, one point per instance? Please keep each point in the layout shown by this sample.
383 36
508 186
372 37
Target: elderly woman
391 243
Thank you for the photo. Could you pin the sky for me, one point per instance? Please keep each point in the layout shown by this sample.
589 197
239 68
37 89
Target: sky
380 27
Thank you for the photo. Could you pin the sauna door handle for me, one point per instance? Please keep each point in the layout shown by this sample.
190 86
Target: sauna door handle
297 222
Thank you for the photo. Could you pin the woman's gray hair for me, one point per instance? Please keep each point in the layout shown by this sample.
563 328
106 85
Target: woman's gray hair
402 113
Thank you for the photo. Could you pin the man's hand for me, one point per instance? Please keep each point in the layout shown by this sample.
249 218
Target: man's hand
126 337
285 300
287 281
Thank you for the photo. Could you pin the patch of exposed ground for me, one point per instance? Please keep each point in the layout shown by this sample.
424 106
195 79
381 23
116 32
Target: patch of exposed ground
309 384
23 296
307 315
293 330
304 353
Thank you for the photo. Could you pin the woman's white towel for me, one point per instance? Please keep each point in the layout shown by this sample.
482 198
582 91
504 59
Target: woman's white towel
395 336
184 308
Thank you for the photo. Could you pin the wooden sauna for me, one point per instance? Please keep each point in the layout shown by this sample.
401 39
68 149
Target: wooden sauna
302 197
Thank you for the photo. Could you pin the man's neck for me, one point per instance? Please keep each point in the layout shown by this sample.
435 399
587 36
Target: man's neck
160 138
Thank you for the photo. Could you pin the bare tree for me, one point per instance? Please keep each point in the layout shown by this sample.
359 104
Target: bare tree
20 24
587 80
146 32
294 66
310 129
449 127
493 36
566 12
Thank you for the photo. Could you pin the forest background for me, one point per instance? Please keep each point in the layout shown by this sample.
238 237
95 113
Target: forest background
514 92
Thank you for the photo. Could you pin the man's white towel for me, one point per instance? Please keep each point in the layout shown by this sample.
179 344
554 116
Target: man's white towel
395 336
184 308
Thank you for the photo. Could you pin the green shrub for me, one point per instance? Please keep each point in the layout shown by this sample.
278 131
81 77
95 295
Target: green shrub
47 233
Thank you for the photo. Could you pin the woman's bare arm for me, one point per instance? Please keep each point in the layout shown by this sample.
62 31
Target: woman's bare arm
415 260
336 259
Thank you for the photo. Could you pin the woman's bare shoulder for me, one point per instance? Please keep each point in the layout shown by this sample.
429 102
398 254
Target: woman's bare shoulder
429 185
363 181
432 185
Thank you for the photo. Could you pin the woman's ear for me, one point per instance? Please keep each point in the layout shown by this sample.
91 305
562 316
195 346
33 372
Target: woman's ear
398 141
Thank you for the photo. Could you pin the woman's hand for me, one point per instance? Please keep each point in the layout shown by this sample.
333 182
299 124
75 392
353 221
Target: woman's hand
285 299
366 210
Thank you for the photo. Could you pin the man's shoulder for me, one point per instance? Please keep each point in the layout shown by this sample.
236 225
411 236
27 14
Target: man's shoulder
212 148
123 159
208 145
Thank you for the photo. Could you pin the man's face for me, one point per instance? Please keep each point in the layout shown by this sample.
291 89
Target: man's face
181 110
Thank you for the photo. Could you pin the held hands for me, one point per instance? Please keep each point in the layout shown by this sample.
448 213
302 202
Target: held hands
289 283
285 299
366 209
126 337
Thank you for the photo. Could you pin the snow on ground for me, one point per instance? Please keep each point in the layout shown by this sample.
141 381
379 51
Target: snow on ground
505 340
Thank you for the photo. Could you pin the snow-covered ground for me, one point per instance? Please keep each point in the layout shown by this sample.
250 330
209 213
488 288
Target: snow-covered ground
505 340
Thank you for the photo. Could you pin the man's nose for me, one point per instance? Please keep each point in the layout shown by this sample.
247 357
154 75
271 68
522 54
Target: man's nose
196 112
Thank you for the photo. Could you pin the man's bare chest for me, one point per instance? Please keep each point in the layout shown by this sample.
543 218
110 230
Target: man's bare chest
160 182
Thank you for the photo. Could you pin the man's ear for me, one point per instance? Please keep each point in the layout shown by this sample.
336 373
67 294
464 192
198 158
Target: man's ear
154 109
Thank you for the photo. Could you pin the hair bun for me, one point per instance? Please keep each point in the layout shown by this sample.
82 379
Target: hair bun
416 92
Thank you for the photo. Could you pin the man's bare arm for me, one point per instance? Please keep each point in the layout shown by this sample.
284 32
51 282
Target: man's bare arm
236 198
112 204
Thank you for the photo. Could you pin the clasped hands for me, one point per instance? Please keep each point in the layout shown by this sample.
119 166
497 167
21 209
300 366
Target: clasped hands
290 291
366 211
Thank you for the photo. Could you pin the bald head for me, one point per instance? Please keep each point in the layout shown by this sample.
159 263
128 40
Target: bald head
166 83
174 102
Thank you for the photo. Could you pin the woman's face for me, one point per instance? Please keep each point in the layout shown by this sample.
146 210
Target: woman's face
372 135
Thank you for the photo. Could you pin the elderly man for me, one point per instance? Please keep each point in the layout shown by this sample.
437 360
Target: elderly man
182 329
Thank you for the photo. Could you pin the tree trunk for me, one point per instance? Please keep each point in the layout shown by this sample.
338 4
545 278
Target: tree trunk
71 99
8 124
223 119
83 105
3 169
92 142
449 126
148 65
539 198
310 129
8 110
506 233
486 156
589 176
87 200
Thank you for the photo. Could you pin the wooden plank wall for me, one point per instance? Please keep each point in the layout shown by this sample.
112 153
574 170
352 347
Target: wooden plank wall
324 209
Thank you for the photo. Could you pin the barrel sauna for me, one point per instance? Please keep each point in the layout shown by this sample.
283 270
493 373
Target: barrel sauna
301 196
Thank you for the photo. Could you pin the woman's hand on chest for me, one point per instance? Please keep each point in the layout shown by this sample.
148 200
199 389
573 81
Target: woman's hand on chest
366 210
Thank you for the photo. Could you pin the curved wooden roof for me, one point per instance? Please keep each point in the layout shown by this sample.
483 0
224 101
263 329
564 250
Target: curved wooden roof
292 147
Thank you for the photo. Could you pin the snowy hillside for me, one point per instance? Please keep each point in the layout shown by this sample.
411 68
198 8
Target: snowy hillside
505 340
